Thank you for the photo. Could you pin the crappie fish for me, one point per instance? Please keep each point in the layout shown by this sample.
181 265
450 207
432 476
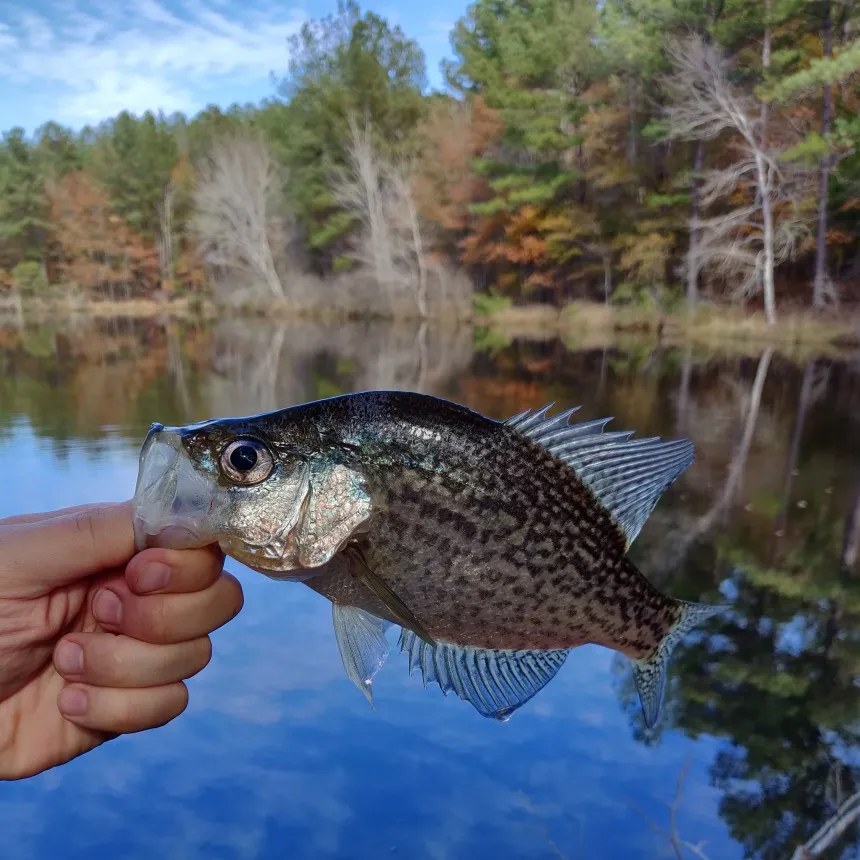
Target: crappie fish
496 546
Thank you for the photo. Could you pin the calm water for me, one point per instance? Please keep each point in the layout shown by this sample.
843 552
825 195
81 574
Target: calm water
279 756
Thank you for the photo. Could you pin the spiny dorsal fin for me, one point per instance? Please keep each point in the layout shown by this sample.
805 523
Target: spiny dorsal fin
496 683
628 476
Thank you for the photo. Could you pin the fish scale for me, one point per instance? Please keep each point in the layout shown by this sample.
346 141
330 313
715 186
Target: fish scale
539 502
495 546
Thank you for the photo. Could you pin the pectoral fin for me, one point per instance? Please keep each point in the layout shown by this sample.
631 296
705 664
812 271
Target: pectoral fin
362 572
361 640
494 682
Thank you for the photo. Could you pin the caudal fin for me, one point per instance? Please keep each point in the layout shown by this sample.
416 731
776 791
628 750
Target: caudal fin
650 674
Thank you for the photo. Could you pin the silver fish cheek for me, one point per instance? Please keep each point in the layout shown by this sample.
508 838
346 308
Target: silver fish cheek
264 520
298 525
339 508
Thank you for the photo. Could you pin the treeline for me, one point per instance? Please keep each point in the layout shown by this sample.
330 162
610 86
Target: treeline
655 152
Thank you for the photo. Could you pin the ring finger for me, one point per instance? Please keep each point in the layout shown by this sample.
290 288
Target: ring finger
106 660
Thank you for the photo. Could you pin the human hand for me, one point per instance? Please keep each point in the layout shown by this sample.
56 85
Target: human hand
96 641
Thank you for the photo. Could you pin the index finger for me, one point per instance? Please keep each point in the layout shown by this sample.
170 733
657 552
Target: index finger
41 516
37 557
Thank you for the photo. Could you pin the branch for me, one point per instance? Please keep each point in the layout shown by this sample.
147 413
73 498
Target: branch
830 831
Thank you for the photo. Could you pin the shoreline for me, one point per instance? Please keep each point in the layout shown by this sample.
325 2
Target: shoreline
579 324
708 326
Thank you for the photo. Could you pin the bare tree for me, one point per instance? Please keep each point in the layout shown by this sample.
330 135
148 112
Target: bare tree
380 195
235 209
743 242
403 215
358 188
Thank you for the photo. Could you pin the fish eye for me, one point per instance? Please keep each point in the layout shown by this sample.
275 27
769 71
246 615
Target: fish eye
247 461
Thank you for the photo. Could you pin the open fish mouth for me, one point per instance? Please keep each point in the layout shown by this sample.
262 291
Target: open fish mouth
170 537
172 500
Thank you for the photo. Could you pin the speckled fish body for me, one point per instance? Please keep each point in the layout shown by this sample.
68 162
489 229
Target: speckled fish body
489 539
486 538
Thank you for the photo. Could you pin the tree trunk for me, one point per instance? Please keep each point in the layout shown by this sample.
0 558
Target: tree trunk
417 246
270 271
819 285
695 204
764 184
632 151
767 223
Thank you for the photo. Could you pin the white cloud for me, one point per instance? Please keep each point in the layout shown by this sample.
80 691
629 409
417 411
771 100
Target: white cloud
91 61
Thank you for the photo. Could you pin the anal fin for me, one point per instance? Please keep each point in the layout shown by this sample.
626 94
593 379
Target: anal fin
494 682
363 647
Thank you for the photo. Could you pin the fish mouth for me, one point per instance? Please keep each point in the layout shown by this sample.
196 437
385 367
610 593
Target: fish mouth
170 537
173 500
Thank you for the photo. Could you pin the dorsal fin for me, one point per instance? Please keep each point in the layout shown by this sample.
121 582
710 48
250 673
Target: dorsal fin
627 476
495 683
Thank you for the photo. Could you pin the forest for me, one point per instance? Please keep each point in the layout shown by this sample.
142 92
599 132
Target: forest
655 153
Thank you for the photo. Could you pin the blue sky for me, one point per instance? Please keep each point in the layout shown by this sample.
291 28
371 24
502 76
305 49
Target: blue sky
80 61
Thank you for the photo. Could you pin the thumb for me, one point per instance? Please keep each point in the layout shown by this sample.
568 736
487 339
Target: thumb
37 557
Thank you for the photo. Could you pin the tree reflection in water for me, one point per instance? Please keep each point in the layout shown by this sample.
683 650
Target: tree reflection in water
768 519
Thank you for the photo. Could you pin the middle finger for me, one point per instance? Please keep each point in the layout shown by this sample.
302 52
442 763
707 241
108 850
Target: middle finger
168 618
172 570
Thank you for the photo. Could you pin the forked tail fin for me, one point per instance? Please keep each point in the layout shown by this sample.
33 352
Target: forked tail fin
650 674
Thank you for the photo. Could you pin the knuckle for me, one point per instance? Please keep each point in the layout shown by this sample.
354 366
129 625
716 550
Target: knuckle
204 568
201 655
235 598
101 664
155 619
176 702
123 715
85 523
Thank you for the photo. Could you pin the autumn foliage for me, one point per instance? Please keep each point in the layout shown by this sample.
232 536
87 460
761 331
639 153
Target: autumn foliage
94 247
452 136
576 155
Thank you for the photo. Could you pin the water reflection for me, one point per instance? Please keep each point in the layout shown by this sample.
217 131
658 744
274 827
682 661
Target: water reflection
278 757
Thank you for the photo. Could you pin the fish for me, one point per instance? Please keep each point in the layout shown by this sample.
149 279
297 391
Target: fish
496 546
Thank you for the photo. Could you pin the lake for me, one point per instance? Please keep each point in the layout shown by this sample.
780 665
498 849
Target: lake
279 756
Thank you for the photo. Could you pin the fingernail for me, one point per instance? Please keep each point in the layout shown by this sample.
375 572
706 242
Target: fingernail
153 577
69 658
73 702
107 607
